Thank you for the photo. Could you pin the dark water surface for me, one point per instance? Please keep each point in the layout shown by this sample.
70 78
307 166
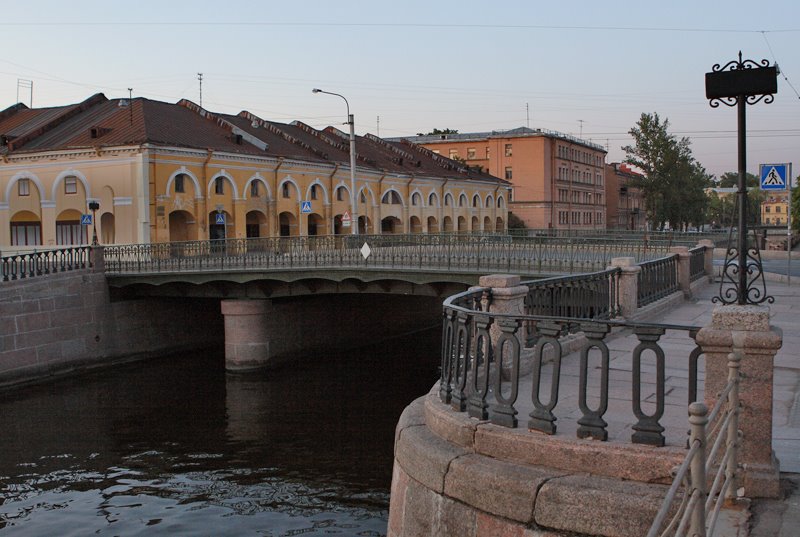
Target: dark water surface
174 446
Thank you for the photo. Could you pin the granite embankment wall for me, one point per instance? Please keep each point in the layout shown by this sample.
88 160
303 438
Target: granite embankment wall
66 322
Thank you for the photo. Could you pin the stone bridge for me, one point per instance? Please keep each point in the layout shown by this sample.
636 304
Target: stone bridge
266 286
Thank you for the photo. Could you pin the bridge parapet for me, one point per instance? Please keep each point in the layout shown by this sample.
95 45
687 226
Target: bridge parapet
572 423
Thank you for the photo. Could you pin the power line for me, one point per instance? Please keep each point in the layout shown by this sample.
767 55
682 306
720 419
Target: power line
775 60
394 25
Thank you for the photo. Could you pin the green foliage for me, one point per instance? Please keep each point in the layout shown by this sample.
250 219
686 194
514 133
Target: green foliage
731 180
515 222
722 209
674 182
439 131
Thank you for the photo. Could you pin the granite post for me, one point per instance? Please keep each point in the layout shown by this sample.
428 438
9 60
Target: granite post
684 269
746 328
628 285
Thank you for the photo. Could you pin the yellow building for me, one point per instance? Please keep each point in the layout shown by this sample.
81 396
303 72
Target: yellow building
775 209
558 181
173 172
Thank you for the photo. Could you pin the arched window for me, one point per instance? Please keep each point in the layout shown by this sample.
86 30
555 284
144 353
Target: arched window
313 192
448 200
416 199
462 200
340 193
499 202
285 190
363 197
255 189
391 198
219 185
180 183
433 200
476 201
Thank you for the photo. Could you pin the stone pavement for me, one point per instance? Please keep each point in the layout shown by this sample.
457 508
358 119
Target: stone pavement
769 518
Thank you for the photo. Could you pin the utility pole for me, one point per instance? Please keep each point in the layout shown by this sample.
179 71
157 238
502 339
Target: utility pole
528 114
200 78
581 122
379 126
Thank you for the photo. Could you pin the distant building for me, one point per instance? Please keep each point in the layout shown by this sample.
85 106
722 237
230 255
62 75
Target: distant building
558 181
775 209
176 172
626 208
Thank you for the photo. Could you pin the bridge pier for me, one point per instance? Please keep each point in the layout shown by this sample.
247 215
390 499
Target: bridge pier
246 334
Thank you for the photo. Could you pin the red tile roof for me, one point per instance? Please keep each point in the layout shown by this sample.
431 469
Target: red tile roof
100 122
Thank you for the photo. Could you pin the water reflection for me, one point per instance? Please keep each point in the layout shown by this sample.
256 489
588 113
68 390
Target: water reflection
177 447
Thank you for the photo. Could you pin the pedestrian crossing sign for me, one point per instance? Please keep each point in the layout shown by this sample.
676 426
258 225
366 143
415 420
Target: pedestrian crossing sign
86 219
219 219
773 176
305 207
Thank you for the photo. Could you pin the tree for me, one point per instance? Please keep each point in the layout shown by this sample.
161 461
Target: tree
673 183
439 131
722 210
731 180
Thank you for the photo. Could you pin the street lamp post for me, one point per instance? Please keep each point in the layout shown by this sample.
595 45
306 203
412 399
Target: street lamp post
739 83
352 123
93 206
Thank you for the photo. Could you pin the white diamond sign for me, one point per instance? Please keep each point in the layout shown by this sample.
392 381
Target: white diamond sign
366 250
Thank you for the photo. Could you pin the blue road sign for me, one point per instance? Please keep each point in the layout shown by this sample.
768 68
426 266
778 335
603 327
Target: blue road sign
305 207
219 219
86 220
773 176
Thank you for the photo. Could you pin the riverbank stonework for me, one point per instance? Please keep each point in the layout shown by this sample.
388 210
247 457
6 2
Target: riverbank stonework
67 322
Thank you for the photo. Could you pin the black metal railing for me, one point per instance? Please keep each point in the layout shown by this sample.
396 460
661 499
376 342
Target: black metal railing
29 265
657 279
482 355
584 296
697 263
445 252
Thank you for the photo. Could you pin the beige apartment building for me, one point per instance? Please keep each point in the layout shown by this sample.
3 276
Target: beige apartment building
557 180
164 172
775 209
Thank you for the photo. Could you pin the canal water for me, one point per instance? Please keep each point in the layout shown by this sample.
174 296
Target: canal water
174 446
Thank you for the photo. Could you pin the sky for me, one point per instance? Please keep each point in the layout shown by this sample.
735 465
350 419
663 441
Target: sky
589 69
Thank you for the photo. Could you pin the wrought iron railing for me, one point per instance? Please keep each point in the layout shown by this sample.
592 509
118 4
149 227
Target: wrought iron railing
697 263
657 279
440 252
713 453
482 354
33 264
584 296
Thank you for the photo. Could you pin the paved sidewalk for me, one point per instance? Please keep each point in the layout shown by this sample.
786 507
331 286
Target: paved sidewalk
769 518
